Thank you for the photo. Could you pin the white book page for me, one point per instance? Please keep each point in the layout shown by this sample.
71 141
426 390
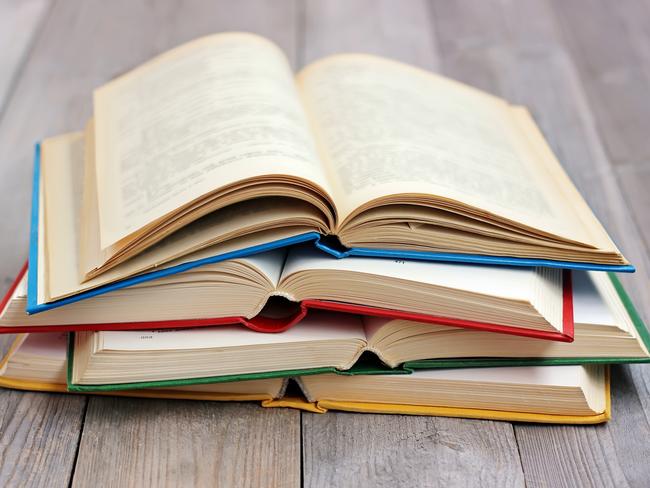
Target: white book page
205 115
62 183
318 326
51 345
270 263
506 282
21 288
588 306
524 375
41 275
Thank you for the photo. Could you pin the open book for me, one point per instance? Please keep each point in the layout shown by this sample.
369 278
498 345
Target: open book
272 291
558 394
216 147
347 344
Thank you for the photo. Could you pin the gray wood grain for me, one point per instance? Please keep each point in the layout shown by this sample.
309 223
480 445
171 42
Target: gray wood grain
367 450
612 53
39 434
341 449
131 442
515 50
19 22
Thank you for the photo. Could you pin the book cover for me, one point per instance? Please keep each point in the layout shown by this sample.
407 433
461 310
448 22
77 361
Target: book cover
266 324
362 367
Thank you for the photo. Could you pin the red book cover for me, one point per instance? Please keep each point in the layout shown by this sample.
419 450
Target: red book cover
266 324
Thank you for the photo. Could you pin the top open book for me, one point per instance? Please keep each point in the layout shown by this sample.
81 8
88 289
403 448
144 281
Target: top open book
215 143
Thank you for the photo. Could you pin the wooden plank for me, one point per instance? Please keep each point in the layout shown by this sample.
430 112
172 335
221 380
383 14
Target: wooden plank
341 449
19 23
339 26
615 71
367 450
39 433
516 51
612 54
584 465
137 443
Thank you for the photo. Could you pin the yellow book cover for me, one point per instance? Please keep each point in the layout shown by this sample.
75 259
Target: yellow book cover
271 394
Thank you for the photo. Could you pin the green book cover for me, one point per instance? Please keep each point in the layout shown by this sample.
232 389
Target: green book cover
367 364
494 362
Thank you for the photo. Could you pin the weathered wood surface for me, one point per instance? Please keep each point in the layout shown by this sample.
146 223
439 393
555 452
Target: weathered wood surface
346 449
584 70
134 442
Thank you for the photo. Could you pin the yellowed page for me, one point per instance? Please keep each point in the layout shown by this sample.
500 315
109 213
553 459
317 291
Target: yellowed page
234 220
515 283
384 128
90 253
62 179
319 326
41 271
61 192
203 116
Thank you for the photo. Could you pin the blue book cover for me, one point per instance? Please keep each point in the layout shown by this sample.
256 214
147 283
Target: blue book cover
322 243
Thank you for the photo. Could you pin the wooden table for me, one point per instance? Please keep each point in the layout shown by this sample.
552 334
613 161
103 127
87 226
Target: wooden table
583 67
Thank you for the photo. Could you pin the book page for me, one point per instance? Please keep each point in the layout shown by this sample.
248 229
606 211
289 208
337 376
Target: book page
522 375
515 283
61 210
318 326
384 128
589 307
49 345
62 182
42 269
203 116
269 263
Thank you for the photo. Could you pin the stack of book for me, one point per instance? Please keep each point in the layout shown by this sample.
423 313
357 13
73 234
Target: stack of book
381 238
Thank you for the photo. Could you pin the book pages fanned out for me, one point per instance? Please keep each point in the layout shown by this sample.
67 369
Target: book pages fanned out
216 150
